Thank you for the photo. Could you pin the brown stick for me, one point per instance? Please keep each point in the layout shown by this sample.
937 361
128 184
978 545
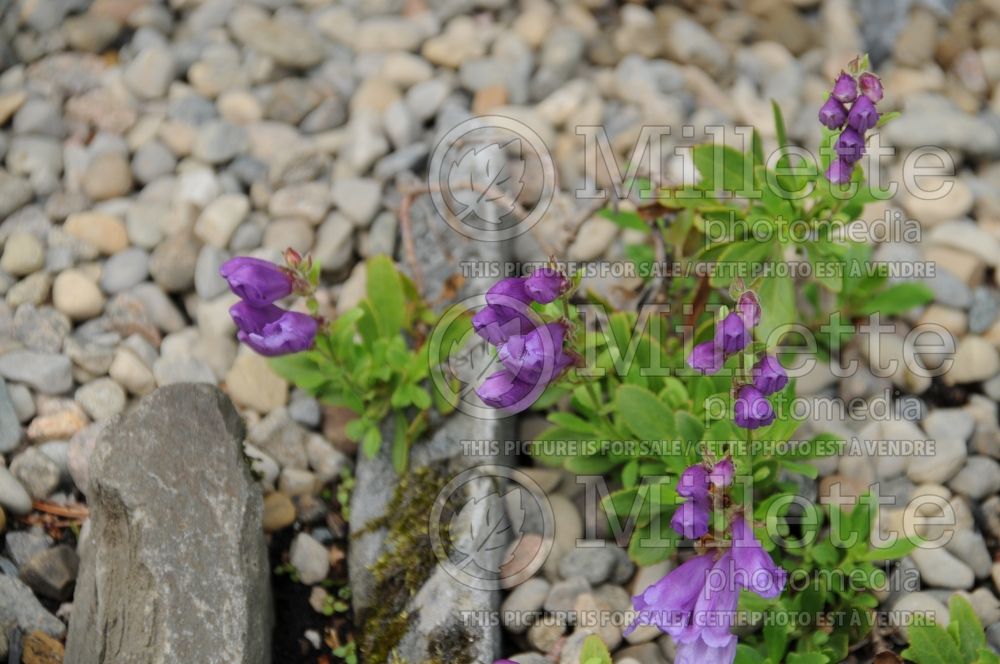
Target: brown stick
69 512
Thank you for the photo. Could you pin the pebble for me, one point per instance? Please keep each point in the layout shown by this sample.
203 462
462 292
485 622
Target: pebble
52 572
19 606
941 569
101 398
23 254
970 548
594 563
171 370
524 601
149 74
37 473
173 261
58 422
129 371
310 558
48 373
921 603
279 512
40 648
563 594
334 243
10 426
976 359
218 142
358 199
13 496
978 479
252 383
326 461
124 270
76 295
107 176
104 232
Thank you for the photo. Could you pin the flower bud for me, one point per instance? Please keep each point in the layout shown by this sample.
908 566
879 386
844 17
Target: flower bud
863 115
752 410
545 285
845 88
849 146
871 86
839 171
748 306
731 335
832 114
768 375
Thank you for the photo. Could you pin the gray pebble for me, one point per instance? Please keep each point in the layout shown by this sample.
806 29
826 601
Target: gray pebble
124 270
595 564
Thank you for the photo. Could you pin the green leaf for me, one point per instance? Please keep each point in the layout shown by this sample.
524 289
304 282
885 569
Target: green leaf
775 640
986 656
644 414
736 178
930 644
965 628
886 118
625 219
594 651
372 440
648 554
571 422
777 299
898 299
400 446
385 293
901 547
747 655
807 658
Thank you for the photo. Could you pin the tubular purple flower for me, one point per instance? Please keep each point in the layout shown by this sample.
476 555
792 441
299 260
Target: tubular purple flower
748 307
871 86
706 357
768 375
713 612
668 602
849 146
753 567
693 482
272 331
839 171
722 473
691 518
546 284
699 652
832 114
508 292
752 410
496 324
731 334
845 88
257 281
863 115
503 390
527 356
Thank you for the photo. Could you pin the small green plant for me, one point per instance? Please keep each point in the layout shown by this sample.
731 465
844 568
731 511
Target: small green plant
371 359
288 569
347 652
962 642
594 651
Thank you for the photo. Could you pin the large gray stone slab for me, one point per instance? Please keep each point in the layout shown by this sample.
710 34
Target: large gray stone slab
174 568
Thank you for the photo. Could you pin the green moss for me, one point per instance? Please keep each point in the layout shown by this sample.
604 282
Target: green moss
406 563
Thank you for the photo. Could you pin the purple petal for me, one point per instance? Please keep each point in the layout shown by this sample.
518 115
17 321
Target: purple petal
496 324
252 319
849 146
668 602
832 114
508 292
699 652
863 115
545 285
257 281
706 357
752 409
693 482
871 86
722 473
714 611
731 334
839 171
753 567
768 375
748 307
503 390
292 332
690 519
845 88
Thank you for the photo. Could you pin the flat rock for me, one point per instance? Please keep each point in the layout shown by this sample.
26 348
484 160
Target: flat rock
175 565
46 372
18 607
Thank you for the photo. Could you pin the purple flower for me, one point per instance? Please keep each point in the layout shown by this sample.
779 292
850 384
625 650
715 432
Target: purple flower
731 334
706 357
862 115
529 355
839 171
845 88
722 473
271 331
504 390
748 307
768 375
871 86
699 652
693 482
668 602
832 114
752 409
545 284
849 146
713 612
754 569
691 517
496 324
257 281
508 292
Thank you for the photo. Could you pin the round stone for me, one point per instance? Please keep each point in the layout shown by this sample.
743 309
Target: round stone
23 254
104 232
76 295
107 176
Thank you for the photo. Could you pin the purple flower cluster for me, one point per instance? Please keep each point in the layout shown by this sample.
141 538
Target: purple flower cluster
262 325
697 484
752 408
532 354
696 603
853 113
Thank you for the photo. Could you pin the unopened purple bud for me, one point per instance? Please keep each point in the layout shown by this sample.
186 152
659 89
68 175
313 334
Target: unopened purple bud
546 284
752 409
845 88
849 146
863 115
272 331
257 281
769 376
839 171
748 307
722 473
731 334
871 86
832 114
706 357
508 292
